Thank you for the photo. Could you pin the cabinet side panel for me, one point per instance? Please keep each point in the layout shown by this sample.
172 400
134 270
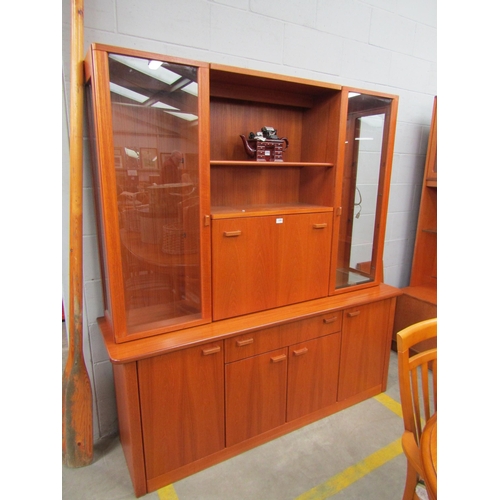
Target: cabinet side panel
129 419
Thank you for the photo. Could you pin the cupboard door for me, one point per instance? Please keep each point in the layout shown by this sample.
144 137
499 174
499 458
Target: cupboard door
243 259
182 403
255 395
304 252
265 262
365 346
313 371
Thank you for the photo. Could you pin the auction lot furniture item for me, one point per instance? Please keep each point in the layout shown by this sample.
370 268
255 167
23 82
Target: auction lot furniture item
418 388
243 299
419 300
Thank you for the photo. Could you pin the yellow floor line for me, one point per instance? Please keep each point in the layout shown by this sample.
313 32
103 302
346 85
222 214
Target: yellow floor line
353 473
390 403
167 493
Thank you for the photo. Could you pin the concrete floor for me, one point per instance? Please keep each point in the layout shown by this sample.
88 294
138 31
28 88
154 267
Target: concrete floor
354 454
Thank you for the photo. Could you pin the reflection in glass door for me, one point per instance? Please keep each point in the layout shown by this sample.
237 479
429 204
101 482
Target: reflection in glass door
155 138
366 144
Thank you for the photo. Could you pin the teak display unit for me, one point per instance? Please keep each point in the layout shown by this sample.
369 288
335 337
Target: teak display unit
419 300
243 299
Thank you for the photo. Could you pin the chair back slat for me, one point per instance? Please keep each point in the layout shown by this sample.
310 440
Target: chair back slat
417 376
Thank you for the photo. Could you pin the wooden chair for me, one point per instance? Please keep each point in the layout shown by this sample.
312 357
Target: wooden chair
418 388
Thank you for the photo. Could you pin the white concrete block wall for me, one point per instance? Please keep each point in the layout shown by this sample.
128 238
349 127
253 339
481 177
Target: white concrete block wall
385 45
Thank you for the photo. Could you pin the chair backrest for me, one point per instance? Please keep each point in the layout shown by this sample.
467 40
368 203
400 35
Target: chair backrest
417 376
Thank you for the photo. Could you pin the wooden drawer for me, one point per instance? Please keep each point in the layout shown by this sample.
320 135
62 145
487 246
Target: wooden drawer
251 344
311 328
260 341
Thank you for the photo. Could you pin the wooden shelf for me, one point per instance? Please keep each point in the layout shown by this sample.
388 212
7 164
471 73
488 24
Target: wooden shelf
262 210
277 164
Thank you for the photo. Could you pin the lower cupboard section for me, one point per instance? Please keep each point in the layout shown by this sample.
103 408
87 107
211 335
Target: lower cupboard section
203 404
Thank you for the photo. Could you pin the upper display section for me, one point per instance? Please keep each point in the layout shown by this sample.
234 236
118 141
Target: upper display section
215 184
152 188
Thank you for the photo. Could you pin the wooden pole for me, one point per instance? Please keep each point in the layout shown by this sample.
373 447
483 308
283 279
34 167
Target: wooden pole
77 434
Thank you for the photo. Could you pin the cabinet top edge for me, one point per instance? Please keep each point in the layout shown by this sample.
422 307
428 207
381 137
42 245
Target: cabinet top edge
234 70
147 55
136 350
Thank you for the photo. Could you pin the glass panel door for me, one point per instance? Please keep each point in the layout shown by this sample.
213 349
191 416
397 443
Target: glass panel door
364 162
155 138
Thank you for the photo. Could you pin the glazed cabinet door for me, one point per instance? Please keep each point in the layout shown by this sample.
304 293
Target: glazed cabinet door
182 406
313 371
365 347
255 395
150 180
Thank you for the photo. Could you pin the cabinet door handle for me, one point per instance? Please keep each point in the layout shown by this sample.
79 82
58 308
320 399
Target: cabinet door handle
278 359
327 321
231 234
241 343
300 352
353 314
319 226
211 350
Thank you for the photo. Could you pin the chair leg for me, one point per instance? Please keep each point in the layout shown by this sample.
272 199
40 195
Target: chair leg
411 482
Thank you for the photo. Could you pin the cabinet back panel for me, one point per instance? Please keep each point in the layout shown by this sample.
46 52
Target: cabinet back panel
257 185
229 119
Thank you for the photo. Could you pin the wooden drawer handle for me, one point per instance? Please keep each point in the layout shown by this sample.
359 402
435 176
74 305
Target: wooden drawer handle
319 226
241 343
231 234
300 352
353 314
211 350
327 321
278 359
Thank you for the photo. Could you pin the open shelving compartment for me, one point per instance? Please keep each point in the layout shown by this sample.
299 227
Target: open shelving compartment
304 112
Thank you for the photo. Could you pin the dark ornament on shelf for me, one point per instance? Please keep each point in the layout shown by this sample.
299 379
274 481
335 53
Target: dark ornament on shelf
265 145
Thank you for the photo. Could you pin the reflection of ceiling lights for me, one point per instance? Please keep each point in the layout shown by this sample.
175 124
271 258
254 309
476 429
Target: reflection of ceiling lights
353 94
154 64
185 116
192 88
130 94
142 65
162 105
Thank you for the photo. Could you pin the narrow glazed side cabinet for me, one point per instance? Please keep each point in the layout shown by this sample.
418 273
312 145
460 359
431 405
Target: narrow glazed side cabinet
243 293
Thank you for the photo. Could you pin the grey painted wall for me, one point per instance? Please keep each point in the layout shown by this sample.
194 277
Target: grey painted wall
385 45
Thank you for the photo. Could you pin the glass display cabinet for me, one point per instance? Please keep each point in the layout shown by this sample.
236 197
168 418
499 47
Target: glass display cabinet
148 118
369 141
242 284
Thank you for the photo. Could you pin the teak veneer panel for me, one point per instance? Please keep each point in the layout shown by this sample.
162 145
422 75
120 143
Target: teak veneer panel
182 407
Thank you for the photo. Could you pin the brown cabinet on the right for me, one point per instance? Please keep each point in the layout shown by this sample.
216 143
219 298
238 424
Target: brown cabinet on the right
419 300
